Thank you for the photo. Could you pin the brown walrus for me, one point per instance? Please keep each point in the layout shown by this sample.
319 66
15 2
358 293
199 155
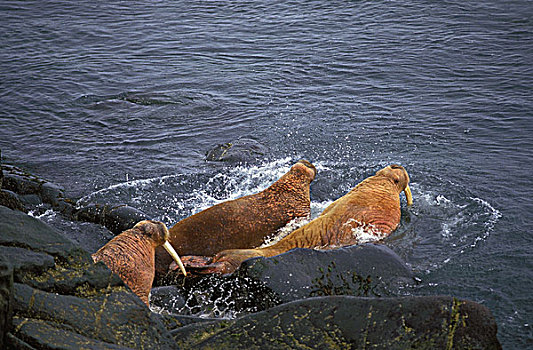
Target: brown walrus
371 208
131 255
244 222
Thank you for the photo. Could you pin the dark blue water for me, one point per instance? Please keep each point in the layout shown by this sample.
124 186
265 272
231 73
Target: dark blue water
119 101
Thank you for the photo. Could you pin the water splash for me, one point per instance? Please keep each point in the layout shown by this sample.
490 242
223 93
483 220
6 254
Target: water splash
284 231
456 222
364 232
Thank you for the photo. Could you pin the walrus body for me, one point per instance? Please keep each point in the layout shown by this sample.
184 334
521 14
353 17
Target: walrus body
244 222
372 207
131 255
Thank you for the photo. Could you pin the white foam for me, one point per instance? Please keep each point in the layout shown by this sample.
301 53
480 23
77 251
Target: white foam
494 217
284 231
49 213
128 184
364 232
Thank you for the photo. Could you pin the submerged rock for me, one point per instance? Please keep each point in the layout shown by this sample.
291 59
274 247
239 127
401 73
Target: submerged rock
351 322
239 151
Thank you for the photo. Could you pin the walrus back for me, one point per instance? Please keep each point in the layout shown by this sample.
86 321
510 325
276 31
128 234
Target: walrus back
244 222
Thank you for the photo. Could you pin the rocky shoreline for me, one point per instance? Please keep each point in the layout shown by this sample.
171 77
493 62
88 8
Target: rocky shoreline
52 296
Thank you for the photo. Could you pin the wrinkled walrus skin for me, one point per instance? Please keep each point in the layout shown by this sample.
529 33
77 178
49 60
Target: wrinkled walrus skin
131 255
244 222
373 206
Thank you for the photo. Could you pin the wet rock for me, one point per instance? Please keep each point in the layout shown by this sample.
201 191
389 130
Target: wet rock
116 317
371 270
173 321
26 261
51 193
44 259
239 151
218 296
31 200
6 298
91 213
352 322
11 200
121 218
21 183
38 334
168 296
116 219
21 230
33 191
358 270
24 231
1 171
65 206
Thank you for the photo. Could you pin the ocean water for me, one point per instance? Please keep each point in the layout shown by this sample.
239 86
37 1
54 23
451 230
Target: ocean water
119 102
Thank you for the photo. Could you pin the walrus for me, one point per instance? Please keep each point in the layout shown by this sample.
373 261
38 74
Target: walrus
244 222
371 208
131 255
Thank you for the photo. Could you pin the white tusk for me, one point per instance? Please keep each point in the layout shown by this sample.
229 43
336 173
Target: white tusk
168 247
408 195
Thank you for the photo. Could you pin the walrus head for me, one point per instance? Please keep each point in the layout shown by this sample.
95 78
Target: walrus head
158 233
305 168
398 175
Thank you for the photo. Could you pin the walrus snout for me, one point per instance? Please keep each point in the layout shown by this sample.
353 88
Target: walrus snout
308 168
399 176
158 232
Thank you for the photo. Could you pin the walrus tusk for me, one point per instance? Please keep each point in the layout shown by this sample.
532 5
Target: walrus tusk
408 195
168 247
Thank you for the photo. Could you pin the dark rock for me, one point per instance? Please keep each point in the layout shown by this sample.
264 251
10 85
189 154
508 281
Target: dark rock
117 317
11 200
31 189
77 276
262 283
239 151
166 296
91 213
1 171
38 334
30 199
6 298
24 231
65 206
115 218
21 183
352 322
51 193
358 270
66 268
64 300
26 261
219 296
123 217
174 321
